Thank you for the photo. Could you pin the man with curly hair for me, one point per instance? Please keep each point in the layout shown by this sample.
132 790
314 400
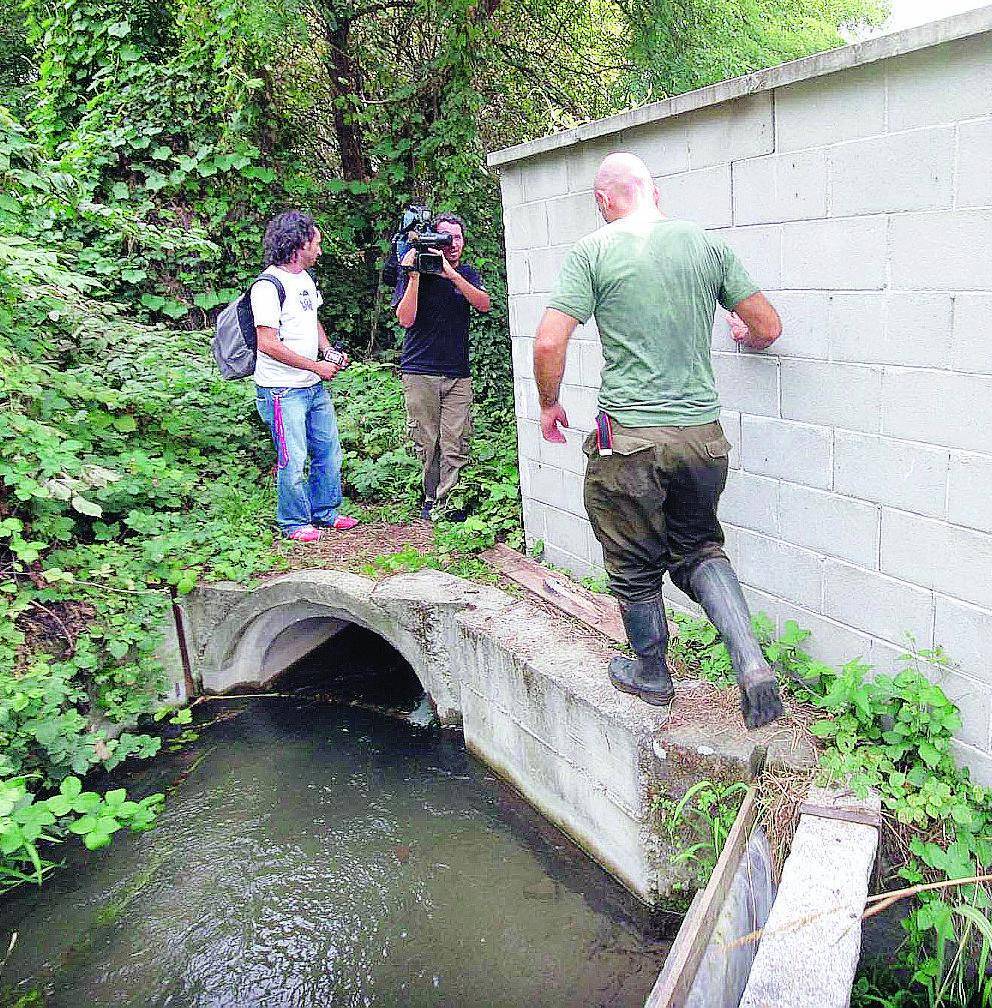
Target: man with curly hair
294 358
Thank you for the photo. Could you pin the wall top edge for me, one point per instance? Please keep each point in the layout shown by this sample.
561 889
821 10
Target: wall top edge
974 22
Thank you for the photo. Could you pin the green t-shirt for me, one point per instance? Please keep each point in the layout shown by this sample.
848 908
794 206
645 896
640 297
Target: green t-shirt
653 285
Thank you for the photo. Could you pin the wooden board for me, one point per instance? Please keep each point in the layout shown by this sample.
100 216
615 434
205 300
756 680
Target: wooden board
601 612
676 979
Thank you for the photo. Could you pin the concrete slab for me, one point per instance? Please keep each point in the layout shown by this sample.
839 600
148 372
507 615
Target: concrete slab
816 917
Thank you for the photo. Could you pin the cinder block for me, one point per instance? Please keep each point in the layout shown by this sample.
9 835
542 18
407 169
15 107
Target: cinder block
908 329
544 267
580 405
663 146
592 362
573 365
971 348
832 643
780 187
572 497
568 532
828 523
589 331
730 131
938 407
973 185
543 177
525 398
509 186
702 196
522 349
545 483
751 502
978 762
942 84
902 474
720 338
964 631
899 171
846 253
759 247
933 554
527 312
941 250
526 226
830 109
877 604
569 455
781 569
730 421
596 552
805 324
855 325
974 701
747 383
571 217
799 453
517 273
840 395
528 440
534 515
585 157
969 491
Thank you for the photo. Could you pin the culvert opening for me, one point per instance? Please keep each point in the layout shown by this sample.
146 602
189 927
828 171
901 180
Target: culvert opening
357 667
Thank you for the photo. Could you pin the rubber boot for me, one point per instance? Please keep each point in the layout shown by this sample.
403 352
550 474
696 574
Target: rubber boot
645 676
718 591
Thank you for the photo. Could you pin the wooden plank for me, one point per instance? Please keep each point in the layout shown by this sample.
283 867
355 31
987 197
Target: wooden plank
675 981
601 612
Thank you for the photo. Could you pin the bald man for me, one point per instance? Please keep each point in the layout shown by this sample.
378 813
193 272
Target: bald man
658 459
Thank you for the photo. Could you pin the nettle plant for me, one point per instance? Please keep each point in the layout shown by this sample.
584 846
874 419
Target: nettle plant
893 733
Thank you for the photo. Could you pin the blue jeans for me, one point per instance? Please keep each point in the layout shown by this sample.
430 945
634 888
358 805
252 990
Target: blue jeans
303 425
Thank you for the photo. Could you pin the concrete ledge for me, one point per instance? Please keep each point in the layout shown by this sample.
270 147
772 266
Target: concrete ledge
531 695
816 917
860 54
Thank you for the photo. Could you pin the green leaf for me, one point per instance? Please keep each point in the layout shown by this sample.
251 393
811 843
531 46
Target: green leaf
118 29
86 507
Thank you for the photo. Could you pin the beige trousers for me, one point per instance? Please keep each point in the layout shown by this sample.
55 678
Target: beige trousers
439 421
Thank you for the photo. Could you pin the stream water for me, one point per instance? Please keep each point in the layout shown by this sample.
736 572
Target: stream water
314 854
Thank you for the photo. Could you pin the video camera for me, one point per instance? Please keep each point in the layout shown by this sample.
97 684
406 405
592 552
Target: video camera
415 232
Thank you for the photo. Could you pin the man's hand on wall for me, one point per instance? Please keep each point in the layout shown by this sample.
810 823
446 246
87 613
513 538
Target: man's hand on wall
551 417
738 328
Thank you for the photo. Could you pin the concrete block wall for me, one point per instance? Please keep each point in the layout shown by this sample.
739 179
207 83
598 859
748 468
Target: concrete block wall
856 187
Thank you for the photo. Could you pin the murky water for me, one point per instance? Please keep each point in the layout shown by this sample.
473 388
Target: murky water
314 854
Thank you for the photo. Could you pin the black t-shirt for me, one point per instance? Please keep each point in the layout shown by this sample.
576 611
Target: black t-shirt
437 342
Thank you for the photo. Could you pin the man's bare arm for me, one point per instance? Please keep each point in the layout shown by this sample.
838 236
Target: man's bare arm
550 348
477 298
762 321
270 344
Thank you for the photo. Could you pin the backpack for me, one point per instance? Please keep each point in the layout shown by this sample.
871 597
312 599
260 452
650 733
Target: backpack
235 340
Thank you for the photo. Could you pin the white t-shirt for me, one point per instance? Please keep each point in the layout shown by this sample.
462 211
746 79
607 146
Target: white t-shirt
297 325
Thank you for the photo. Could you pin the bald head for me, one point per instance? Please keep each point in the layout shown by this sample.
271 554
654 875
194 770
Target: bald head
623 183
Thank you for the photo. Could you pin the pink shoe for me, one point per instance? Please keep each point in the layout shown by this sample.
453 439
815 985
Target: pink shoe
343 522
305 534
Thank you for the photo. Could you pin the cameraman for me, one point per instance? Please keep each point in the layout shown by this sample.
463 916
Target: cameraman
434 310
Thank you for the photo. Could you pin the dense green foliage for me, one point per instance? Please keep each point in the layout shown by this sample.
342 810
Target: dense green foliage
891 733
142 147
